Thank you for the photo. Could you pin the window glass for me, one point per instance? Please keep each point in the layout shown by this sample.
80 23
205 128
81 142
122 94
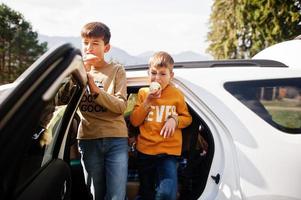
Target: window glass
278 102
45 134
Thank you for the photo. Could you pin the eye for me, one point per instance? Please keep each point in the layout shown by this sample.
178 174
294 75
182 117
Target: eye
153 73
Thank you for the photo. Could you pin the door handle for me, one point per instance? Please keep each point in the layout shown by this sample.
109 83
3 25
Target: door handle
216 178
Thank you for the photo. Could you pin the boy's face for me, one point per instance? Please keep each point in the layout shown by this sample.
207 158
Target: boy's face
95 46
161 75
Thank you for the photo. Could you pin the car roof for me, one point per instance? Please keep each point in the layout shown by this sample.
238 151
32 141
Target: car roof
277 61
287 52
225 70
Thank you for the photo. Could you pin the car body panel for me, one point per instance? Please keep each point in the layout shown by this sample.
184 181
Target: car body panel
261 153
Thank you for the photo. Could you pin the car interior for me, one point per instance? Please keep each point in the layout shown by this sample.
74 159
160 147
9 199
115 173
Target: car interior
193 168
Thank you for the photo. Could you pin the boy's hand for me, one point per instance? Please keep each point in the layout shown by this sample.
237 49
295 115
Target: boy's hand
168 128
89 59
87 67
151 95
93 87
154 94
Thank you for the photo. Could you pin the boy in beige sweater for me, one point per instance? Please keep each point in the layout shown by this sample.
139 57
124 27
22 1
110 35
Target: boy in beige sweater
102 132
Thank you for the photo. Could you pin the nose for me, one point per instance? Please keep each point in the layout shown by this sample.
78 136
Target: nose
89 46
157 77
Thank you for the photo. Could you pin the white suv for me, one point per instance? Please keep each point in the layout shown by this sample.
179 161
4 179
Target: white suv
244 141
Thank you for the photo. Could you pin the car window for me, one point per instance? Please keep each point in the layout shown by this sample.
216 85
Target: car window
277 101
43 140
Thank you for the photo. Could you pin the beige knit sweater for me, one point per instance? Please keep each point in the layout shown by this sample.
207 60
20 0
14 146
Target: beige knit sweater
103 116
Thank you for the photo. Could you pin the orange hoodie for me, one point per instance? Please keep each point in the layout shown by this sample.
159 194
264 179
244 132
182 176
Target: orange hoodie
151 121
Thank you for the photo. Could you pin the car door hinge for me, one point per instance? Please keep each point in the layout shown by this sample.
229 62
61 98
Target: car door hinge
216 178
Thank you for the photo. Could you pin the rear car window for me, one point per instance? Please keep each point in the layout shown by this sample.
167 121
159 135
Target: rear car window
277 101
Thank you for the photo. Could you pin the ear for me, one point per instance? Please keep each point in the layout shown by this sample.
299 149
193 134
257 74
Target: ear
171 75
107 47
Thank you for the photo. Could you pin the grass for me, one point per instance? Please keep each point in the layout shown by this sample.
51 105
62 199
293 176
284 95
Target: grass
286 113
282 103
288 119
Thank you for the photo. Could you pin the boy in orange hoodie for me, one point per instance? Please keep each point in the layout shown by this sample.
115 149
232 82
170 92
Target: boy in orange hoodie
160 113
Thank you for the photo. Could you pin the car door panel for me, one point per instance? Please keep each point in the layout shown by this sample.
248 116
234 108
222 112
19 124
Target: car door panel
33 127
53 182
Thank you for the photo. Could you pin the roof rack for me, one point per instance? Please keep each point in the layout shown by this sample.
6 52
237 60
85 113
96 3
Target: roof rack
218 63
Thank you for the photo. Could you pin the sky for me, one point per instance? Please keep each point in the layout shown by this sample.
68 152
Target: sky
137 26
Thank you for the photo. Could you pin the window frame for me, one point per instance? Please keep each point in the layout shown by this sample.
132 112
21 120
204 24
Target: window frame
238 89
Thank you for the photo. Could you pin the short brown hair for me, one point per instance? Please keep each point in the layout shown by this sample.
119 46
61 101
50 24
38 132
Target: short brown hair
96 30
161 59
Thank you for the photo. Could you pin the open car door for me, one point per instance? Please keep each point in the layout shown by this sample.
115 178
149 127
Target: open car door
35 117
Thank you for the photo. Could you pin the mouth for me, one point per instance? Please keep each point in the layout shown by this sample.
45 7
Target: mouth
89 56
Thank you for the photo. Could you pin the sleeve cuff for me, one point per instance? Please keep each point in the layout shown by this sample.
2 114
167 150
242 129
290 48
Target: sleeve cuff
175 117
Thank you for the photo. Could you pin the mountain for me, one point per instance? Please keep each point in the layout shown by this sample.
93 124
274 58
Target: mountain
123 57
115 53
189 56
120 55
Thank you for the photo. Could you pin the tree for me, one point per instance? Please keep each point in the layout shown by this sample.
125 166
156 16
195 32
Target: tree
242 28
19 45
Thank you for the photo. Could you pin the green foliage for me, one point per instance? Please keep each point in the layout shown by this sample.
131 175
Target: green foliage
242 28
19 45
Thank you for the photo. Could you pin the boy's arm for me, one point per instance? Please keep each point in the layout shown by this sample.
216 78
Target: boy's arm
184 117
140 110
117 102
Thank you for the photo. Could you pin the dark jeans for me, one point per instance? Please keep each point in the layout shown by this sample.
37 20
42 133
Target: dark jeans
158 176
